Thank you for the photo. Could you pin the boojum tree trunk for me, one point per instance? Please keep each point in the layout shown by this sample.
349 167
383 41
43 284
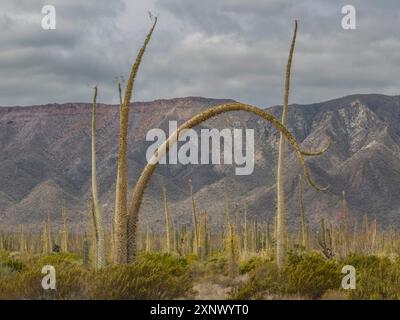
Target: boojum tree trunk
138 191
120 219
303 226
194 220
99 227
64 246
167 222
280 173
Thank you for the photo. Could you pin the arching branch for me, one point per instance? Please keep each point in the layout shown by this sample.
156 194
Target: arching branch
147 172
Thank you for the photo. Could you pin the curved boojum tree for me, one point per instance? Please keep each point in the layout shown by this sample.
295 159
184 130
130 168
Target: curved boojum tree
120 217
144 178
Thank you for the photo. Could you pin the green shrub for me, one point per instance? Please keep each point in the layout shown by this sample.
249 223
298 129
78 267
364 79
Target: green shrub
264 280
250 264
8 262
306 274
217 264
311 274
71 283
12 264
58 258
152 276
376 277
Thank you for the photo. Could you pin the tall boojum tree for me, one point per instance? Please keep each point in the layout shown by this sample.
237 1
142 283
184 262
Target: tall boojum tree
98 218
121 223
126 218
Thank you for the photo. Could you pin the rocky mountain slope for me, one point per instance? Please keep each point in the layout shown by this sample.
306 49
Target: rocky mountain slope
45 161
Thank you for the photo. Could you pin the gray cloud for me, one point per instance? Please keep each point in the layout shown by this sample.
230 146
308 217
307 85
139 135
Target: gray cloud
227 48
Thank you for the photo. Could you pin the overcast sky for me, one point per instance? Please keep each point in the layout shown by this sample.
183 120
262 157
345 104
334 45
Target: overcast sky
214 48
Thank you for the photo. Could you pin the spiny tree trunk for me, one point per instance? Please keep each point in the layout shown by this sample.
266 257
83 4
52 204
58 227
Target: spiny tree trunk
267 238
121 223
138 191
45 239
148 239
99 227
203 237
112 242
64 245
117 216
22 242
303 225
194 220
280 175
167 222
49 235
373 236
245 233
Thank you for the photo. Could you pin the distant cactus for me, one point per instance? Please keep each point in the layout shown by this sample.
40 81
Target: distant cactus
167 222
148 239
22 243
49 234
203 236
325 240
176 238
194 220
373 235
232 250
245 233
45 239
268 240
85 253
64 243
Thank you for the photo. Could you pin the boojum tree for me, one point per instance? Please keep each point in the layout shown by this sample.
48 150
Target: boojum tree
281 212
280 172
126 219
120 218
97 215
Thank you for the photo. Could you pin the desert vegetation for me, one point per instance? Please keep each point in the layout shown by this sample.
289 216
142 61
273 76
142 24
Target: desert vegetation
246 258
198 261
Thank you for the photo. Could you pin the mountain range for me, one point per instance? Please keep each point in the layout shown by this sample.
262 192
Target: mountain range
45 162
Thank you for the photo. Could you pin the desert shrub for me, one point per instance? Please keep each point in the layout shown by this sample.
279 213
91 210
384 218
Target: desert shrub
192 257
58 258
71 283
12 264
308 275
9 265
376 277
250 264
216 264
4 255
264 280
152 276
311 274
